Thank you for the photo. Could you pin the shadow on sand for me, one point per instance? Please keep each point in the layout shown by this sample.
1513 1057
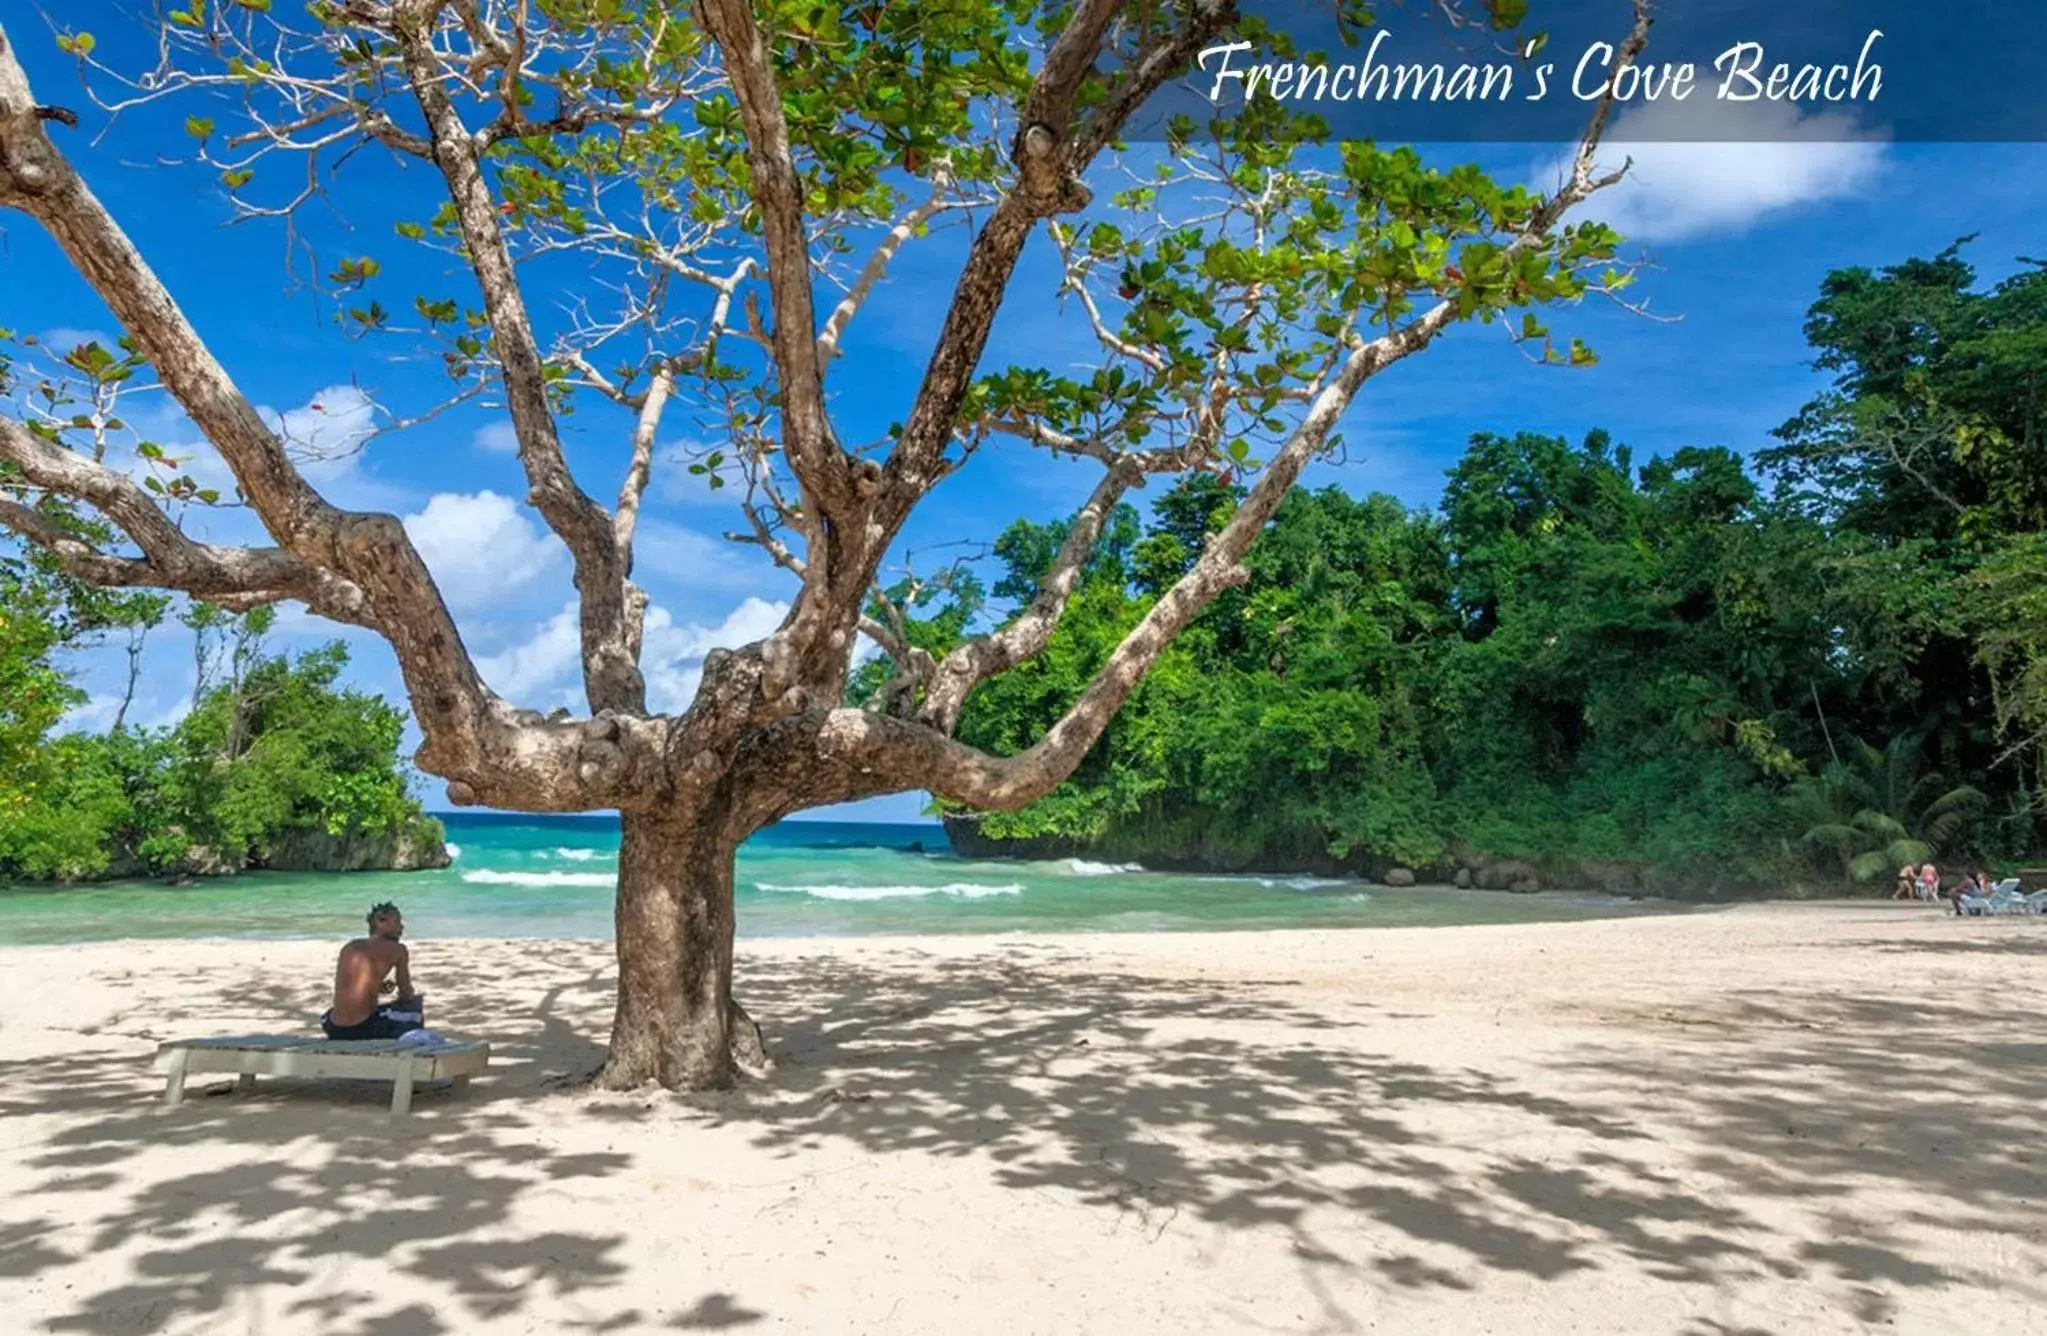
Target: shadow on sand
1155 1099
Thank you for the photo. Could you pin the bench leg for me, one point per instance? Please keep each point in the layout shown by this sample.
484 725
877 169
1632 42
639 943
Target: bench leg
245 1083
401 1090
174 1089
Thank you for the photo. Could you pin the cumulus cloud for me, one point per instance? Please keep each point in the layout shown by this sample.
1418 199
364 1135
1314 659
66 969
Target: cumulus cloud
525 672
544 668
497 438
479 546
1771 159
326 434
324 437
674 661
701 560
61 339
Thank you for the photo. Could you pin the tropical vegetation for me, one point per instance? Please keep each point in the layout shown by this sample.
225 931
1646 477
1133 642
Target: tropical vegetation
1819 663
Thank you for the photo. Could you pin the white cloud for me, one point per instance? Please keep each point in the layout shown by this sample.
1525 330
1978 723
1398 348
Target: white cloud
63 338
326 434
94 716
674 658
479 546
525 671
702 561
324 437
544 668
97 714
497 438
1771 159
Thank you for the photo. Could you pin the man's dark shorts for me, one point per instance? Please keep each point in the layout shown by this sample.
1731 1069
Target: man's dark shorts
386 1022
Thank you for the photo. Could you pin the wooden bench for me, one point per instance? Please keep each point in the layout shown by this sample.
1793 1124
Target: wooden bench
251 1055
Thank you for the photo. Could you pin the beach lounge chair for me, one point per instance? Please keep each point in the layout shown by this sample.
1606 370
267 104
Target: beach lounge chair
2007 900
252 1055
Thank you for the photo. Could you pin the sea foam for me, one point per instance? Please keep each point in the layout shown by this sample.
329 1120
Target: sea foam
493 877
968 890
1081 867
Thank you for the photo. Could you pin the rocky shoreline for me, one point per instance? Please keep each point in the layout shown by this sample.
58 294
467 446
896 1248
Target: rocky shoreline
1486 872
419 846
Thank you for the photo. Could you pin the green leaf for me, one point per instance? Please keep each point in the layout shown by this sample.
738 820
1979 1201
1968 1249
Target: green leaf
199 127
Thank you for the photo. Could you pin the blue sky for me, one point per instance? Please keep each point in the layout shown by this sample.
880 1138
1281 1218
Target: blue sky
1739 237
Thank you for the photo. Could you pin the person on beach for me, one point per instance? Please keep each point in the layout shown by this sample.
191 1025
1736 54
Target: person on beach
364 973
1908 883
1929 882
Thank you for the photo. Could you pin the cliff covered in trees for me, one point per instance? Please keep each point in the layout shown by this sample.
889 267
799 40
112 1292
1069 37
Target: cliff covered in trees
274 766
1690 672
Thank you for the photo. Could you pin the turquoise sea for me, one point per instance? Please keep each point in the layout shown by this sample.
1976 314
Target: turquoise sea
537 876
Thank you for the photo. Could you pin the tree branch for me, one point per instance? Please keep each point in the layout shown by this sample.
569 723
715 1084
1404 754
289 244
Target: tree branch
1047 165
878 263
978 659
822 468
490 752
611 672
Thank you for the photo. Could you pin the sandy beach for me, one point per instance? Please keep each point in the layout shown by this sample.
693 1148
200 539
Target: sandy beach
1783 1118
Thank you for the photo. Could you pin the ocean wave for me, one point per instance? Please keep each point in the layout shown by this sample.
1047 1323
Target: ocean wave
493 877
580 855
454 851
1303 883
1081 867
966 890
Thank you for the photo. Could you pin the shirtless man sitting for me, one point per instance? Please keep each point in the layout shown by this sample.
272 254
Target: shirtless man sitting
364 973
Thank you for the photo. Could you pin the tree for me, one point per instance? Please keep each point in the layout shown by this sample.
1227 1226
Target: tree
1932 443
1937 420
1876 810
696 157
254 765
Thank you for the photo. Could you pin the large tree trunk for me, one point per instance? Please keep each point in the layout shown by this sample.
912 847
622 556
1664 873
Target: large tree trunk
676 1024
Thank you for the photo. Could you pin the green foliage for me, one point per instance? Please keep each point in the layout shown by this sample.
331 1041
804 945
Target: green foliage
1937 423
1874 811
43 612
1574 658
278 747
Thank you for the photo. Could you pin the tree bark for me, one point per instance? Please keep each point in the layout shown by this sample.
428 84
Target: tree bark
676 1024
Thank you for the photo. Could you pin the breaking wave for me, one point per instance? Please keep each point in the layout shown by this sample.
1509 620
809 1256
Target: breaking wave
493 877
966 890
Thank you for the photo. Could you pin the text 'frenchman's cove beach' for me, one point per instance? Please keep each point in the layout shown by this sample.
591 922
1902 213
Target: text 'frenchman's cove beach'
1741 73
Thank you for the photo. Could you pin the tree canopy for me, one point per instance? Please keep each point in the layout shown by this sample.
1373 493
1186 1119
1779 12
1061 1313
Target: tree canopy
730 182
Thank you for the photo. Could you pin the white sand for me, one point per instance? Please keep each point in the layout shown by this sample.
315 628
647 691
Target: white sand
1781 1119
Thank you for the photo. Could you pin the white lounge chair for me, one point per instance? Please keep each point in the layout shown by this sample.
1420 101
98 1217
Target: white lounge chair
2005 899
251 1055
